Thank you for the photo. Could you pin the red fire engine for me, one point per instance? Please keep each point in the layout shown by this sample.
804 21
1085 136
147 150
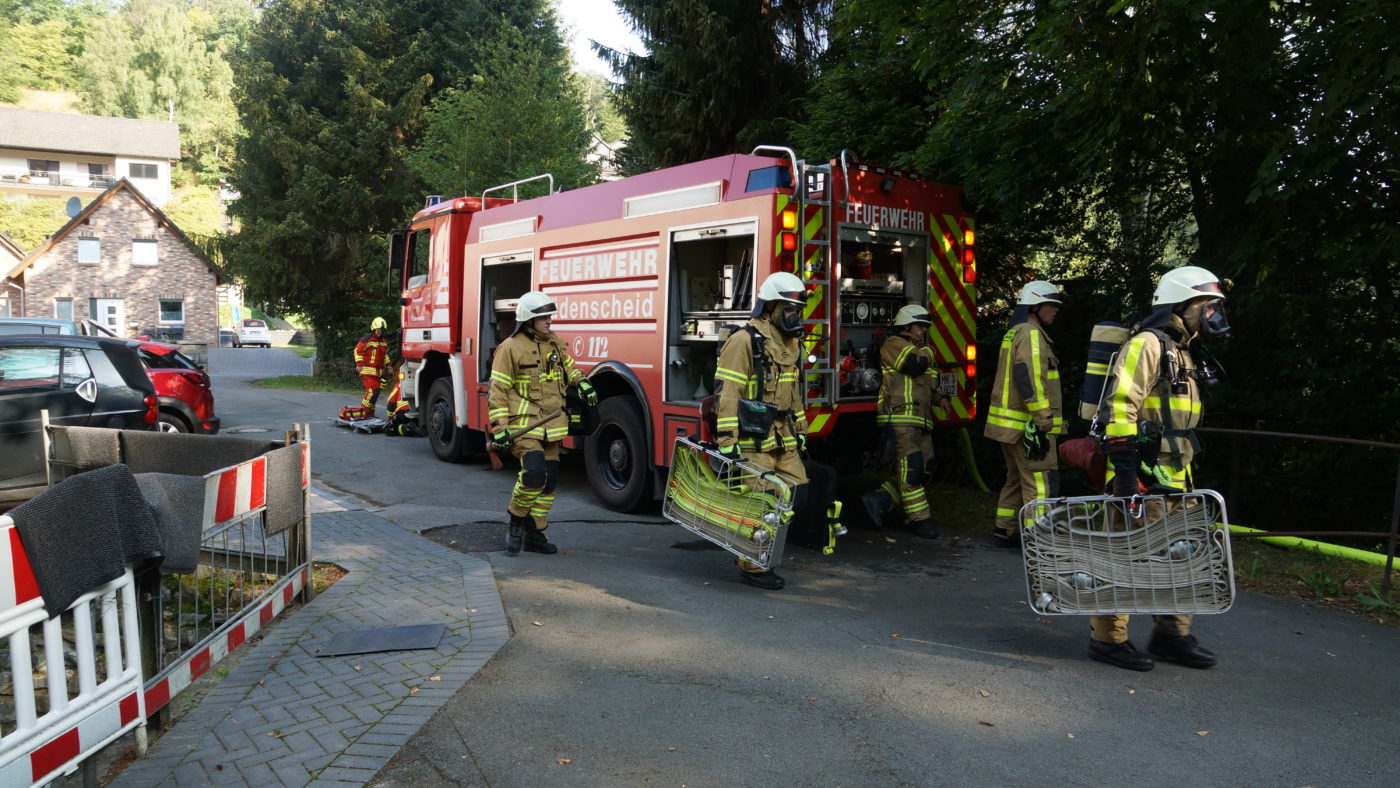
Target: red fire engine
650 272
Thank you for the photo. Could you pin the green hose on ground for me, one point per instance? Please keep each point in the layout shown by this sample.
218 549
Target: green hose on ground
970 460
1365 556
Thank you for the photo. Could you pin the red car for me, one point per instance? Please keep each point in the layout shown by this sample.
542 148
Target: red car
183 388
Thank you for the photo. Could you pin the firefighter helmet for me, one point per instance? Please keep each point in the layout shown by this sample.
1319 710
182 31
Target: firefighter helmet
1040 292
378 324
782 286
532 305
913 313
1180 285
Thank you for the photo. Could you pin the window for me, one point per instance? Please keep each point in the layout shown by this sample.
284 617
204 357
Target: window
89 250
144 252
63 308
172 310
99 175
43 167
29 367
173 359
142 170
4 307
75 368
422 243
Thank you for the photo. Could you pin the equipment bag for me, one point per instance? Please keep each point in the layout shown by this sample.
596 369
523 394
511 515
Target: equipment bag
1104 341
583 417
756 417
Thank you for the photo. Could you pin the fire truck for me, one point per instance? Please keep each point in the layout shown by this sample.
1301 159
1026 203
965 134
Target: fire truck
651 272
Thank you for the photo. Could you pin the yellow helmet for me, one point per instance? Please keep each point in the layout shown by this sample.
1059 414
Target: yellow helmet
378 323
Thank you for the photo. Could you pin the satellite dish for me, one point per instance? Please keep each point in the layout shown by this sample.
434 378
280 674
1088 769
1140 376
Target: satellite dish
74 207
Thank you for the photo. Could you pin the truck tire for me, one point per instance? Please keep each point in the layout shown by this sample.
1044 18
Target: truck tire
618 457
450 443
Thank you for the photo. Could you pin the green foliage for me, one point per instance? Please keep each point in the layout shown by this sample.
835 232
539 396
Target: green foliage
523 115
717 76
604 119
29 222
1379 602
196 210
157 60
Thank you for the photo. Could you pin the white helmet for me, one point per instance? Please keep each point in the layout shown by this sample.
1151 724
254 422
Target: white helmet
532 305
1040 292
913 313
783 286
1185 283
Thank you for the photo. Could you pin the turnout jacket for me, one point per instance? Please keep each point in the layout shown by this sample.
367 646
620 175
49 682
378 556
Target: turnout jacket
371 355
908 384
529 375
1027 385
735 378
1151 366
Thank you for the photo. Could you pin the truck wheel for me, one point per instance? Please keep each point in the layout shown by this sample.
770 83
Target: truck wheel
449 443
617 456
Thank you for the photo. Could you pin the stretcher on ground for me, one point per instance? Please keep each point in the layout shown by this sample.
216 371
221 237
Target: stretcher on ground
367 426
1100 555
733 503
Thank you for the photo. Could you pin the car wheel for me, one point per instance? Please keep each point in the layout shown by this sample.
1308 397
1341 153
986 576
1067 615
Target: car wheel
169 422
617 456
450 443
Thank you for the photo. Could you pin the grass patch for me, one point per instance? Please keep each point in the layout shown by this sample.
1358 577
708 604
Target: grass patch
1297 573
309 383
305 351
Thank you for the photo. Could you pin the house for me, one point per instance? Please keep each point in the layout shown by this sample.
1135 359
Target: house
10 256
124 264
57 154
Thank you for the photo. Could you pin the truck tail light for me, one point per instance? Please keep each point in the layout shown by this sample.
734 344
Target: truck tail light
789 241
970 368
789 219
152 409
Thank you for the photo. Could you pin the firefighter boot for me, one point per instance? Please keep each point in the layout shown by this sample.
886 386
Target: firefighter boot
877 503
1121 655
766 580
1181 649
537 542
925 528
515 535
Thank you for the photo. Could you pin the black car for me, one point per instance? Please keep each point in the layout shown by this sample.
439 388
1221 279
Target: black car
81 381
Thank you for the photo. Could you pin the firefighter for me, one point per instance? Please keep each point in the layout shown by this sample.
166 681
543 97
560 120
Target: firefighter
776 326
371 362
1026 411
397 411
530 375
1163 362
908 388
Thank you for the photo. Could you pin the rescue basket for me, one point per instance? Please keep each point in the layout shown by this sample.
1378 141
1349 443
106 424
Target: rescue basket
734 503
1099 555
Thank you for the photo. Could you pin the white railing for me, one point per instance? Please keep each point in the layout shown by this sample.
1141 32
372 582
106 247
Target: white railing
59 720
22 176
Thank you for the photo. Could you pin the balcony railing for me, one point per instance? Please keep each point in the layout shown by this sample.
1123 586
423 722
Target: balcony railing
54 180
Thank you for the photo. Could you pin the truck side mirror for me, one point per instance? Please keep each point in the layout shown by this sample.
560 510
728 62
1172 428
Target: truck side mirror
398 245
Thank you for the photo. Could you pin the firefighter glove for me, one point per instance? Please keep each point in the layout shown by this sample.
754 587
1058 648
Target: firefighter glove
1034 443
501 440
1125 477
801 442
589 394
1156 474
731 451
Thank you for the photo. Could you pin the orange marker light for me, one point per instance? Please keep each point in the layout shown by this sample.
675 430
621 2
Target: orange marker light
971 352
790 219
969 238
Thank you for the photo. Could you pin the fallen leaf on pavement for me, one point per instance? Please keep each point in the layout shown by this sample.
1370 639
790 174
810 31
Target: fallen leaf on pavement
435 678
566 761
984 722
1069 735
1132 692
670 749
413 690
1297 631
894 634
536 623
985 693
1202 733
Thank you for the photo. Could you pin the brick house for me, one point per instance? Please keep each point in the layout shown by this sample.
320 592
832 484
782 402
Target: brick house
124 264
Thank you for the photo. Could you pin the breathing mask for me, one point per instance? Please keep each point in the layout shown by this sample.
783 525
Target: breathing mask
789 319
1207 319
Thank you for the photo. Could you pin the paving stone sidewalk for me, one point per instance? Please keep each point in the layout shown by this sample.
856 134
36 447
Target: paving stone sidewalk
283 716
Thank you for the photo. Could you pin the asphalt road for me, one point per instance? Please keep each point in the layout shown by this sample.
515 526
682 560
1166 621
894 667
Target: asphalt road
638 659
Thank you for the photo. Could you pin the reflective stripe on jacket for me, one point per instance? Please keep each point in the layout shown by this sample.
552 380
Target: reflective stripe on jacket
528 377
371 355
1133 393
904 399
1027 385
735 378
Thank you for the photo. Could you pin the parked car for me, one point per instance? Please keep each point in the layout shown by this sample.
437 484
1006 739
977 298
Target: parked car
9 326
80 381
252 332
183 387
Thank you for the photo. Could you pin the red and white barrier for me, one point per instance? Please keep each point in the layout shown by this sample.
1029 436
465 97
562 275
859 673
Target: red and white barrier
40 747
196 662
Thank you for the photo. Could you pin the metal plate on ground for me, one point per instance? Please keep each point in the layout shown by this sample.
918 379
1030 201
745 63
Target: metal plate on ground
369 641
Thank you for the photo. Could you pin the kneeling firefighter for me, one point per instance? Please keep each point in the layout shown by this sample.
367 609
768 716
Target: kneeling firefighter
400 421
908 388
763 362
531 376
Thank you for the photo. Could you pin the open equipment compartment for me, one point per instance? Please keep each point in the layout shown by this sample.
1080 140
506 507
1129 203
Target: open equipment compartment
712 272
